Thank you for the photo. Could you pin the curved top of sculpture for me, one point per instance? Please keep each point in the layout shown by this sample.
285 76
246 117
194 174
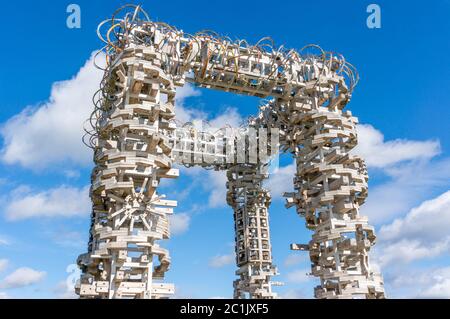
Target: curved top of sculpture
260 69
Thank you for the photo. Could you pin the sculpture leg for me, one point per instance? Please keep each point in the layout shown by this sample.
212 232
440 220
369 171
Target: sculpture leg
131 157
331 185
250 203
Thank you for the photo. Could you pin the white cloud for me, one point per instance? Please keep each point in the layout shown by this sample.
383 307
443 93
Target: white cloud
407 186
295 259
216 184
422 233
439 289
411 170
429 221
221 261
3 264
298 276
71 173
182 113
428 282
51 133
188 90
179 223
281 180
406 251
184 293
4 295
294 294
230 117
22 277
377 153
380 153
63 201
65 291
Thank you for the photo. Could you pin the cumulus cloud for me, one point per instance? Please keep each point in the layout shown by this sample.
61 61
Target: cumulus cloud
295 259
63 201
70 173
298 276
183 113
406 251
221 261
281 180
406 186
51 133
377 153
65 291
428 221
179 223
22 277
439 288
230 117
428 282
216 183
411 169
380 153
3 264
422 233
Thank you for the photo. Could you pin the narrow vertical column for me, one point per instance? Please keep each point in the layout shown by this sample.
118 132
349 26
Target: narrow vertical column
330 186
250 203
133 153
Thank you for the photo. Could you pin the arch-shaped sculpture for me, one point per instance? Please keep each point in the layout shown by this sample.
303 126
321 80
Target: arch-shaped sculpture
136 141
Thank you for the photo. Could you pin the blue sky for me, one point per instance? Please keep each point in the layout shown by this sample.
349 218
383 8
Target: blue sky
402 100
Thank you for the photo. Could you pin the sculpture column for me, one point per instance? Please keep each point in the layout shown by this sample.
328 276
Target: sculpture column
330 186
133 153
250 203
